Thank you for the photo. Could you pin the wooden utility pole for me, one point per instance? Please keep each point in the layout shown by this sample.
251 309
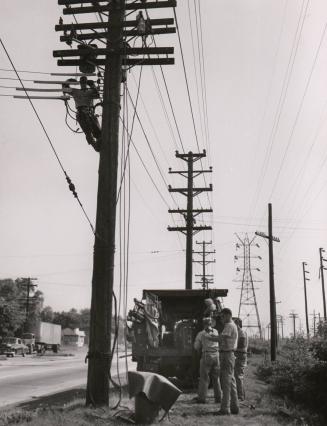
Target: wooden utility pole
273 322
305 279
321 251
206 279
294 316
315 316
113 57
29 286
190 213
281 321
99 355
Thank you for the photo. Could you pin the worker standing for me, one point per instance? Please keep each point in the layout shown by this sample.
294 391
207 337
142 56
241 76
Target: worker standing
240 359
209 363
227 346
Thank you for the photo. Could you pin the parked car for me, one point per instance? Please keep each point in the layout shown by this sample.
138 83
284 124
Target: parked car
12 346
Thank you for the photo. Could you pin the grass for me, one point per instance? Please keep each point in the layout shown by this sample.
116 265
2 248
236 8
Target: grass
67 409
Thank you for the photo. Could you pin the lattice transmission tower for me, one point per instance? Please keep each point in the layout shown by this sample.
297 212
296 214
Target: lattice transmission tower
248 307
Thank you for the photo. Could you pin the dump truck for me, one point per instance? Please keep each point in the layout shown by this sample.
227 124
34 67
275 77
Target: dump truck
162 328
43 336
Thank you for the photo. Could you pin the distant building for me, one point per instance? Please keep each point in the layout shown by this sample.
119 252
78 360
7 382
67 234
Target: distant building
74 337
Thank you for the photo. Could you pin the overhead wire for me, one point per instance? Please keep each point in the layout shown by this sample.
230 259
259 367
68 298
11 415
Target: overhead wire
186 80
132 128
201 66
69 181
281 101
194 66
297 182
190 101
268 96
151 122
298 111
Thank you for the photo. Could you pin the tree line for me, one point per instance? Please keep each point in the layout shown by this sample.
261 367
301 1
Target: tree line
13 311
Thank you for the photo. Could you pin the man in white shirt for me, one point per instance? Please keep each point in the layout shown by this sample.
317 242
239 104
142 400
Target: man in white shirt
209 363
227 346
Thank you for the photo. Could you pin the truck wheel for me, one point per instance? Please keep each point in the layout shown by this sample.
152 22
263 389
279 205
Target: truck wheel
139 365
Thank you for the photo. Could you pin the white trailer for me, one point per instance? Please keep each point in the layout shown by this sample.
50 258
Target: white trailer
43 336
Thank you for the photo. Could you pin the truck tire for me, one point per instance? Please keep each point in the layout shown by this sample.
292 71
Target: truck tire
140 364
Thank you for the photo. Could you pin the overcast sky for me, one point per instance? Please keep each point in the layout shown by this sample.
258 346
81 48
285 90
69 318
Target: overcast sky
265 66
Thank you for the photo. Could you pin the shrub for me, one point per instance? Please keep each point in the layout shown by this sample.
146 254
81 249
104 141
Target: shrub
319 349
299 375
258 346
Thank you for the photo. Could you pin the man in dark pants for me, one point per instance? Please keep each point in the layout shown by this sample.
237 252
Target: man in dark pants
240 359
85 116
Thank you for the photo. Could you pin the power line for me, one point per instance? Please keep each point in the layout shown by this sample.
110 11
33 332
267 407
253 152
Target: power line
299 111
70 183
282 98
26 71
186 80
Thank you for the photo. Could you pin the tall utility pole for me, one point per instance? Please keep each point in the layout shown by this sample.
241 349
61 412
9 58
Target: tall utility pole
305 279
294 316
115 56
321 251
190 213
205 279
273 322
248 308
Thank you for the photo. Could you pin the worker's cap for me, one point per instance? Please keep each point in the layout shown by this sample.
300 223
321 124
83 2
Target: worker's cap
208 302
70 80
206 320
226 311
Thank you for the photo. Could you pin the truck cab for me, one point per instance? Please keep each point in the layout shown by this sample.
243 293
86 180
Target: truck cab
12 346
163 327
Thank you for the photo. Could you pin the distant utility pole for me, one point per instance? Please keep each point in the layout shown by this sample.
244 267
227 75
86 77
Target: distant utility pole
206 279
248 308
29 286
294 316
315 316
115 57
273 322
305 279
190 213
280 324
322 268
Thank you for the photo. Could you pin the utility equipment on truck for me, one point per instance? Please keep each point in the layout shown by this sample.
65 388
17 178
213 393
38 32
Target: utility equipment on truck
163 326
43 336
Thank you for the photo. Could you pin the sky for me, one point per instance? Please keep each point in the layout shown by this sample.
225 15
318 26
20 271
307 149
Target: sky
263 65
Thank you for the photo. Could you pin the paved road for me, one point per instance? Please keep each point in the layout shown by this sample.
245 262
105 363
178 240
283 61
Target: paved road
24 378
